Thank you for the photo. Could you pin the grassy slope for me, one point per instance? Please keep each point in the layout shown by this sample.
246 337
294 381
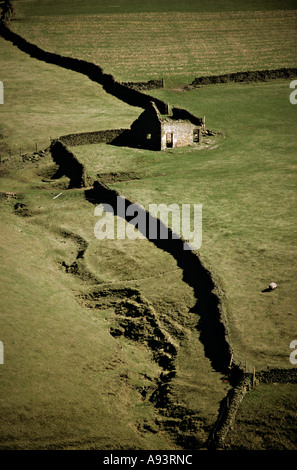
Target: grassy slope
275 403
61 367
66 382
20 389
43 101
248 235
57 385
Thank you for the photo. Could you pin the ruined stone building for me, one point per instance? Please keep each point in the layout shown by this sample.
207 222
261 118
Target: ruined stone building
155 131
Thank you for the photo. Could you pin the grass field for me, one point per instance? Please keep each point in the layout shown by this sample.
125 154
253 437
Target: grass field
248 237
62 366
79 374
178 45
92 7
266 419
66 381
42 101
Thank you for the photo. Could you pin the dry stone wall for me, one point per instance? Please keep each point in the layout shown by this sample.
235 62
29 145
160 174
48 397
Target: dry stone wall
212 326
68 164
96 137
248 76
142 86
230 405
127 93
283 376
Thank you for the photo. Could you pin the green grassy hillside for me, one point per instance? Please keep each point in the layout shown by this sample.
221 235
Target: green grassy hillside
66 381
42 101
102 347
246 181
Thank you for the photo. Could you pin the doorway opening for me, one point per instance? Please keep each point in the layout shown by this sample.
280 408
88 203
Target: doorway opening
169 140
196 135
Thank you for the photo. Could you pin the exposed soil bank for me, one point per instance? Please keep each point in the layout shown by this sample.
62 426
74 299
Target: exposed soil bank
249 76
136 319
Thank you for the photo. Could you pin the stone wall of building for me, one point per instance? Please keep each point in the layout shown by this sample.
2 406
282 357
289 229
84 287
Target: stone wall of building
181 132
146 130
178 113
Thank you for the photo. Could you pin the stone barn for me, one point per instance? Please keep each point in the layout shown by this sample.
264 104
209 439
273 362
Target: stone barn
155 131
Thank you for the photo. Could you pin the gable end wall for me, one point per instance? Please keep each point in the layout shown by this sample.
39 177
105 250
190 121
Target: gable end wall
182 133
